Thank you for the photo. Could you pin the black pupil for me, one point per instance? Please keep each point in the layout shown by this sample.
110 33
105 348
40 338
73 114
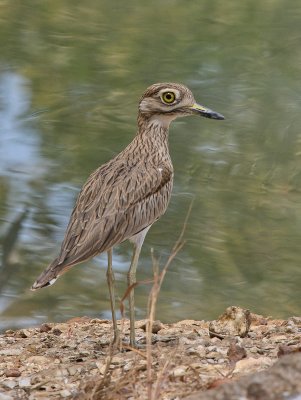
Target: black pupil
168 96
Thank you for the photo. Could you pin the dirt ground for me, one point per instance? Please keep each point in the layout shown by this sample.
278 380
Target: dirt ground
74 360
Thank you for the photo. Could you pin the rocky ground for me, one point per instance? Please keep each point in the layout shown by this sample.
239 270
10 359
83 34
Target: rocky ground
198 359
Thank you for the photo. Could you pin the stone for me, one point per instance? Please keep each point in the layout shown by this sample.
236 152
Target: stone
45 328
198 350
10 352
236 352
25 382
117 360
14 373
56 332
5 396
61 372
73 370
39 360
282 382
251 364
179 371
156 326
101 367
65 393
235 321
9 383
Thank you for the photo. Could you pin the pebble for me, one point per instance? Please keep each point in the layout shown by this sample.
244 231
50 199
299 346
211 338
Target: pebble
295 340
214 355
142 365
65 393
204 342
127 367
179 371
252 335
31 348
9 383
22 334
215 340
94 371
25 382
291 329
45 328
192 336
236 352
14 373
198 350
296 397
73 370
39 360
117 360
279 338
10 352
196 365
101 367
61 372
185 340
295 320
156 326
4 396
248 365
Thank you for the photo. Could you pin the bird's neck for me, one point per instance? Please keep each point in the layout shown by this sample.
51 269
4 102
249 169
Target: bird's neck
151 142
154 128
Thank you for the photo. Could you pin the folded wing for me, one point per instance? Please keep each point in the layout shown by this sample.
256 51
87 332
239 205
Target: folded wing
117 201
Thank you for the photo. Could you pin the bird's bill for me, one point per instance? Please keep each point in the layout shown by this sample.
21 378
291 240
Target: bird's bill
205 112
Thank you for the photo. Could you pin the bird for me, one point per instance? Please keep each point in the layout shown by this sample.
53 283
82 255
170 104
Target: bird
124 197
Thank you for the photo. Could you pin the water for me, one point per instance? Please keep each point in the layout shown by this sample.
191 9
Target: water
71 74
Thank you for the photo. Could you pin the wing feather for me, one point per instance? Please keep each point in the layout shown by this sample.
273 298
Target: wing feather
114 204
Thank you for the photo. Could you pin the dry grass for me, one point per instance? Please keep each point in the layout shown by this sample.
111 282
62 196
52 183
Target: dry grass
154 388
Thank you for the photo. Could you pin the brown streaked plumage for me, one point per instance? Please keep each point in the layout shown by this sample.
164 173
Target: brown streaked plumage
126 195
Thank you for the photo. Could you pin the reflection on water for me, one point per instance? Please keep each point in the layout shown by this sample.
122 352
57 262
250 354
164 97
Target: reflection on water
70 79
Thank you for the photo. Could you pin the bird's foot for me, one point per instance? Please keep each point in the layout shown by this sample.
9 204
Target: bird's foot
129 345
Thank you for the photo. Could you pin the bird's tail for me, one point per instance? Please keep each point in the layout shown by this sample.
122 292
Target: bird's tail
47 277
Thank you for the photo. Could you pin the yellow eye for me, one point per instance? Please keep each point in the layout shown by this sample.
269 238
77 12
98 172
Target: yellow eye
168 97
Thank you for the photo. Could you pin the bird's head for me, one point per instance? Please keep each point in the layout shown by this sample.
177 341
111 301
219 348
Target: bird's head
166 101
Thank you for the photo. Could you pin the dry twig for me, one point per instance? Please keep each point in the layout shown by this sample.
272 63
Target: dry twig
152 303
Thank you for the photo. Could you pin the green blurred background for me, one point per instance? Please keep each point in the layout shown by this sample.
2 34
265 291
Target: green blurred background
71 74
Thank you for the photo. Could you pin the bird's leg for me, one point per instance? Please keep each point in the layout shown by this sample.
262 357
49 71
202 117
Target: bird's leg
111 284
131 281
137 240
